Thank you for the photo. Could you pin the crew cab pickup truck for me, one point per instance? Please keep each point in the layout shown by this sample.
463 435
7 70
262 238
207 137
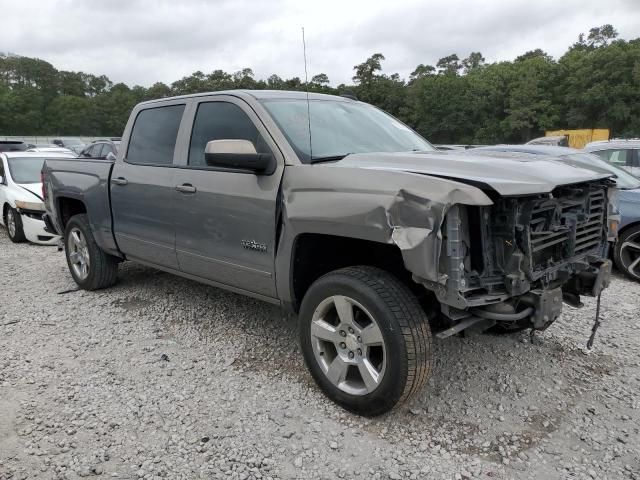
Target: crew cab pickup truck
342 214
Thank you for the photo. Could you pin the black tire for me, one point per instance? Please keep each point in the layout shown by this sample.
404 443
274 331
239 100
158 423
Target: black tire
632 233
405 332
102 268
18 235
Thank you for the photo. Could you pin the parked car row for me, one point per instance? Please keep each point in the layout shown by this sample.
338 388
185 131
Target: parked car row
74 144
21 207
101 149
21 196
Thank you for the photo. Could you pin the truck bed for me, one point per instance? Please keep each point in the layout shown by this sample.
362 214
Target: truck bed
86 181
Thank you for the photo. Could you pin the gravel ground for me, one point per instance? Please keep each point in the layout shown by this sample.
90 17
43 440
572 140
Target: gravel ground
161 377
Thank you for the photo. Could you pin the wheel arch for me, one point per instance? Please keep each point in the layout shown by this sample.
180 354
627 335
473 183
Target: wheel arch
628 226
314 255
67 207
617 252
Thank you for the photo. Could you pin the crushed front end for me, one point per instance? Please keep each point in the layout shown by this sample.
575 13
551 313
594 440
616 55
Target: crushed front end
514 263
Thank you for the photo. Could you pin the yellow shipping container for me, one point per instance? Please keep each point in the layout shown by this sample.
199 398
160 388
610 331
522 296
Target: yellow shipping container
579 138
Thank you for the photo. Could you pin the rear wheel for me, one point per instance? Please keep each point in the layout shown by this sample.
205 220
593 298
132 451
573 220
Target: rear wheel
365 339
90 267
627 253
13 221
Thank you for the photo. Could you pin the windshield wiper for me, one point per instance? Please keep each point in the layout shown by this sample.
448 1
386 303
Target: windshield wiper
330 158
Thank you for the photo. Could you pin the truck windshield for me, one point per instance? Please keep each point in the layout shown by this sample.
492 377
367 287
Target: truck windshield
339 128
25 170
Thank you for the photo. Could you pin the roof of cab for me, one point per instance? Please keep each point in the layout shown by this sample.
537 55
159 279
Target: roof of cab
258 95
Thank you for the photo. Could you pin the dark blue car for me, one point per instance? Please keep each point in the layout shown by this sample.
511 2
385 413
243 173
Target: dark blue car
626 252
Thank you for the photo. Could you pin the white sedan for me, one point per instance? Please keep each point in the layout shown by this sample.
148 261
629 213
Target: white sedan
21 203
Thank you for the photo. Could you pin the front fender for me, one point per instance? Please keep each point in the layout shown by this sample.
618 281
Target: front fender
393 207
14 193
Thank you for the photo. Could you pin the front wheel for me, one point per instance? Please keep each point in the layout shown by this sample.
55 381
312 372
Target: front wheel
365 339
90 266
13 221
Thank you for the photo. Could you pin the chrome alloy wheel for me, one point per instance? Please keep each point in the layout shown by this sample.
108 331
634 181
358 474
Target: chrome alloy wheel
348 345
78 253
630 254
11 222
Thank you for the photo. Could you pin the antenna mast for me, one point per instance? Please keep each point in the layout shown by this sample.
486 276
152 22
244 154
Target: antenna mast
306 82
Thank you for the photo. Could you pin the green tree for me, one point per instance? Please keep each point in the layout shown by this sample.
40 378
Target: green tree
596 83
531 108
274 82
157 90
538 52
473 61
449 65
600 87
366 71
69 115
601 36
320 79
421 71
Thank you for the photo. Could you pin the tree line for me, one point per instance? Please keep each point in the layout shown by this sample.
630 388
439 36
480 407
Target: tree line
594 84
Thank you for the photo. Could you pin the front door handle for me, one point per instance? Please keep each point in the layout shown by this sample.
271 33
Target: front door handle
186 188
119 181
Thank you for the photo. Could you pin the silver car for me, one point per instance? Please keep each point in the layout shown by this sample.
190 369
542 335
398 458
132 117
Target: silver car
620 153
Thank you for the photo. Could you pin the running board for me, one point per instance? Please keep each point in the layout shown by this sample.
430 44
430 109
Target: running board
464 324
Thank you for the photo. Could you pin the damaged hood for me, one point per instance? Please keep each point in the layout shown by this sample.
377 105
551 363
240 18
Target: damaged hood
507 176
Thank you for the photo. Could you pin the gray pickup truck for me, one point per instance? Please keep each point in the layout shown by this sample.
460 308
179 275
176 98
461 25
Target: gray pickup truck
345 216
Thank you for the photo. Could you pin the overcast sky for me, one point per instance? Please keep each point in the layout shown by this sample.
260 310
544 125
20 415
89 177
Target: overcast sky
144 41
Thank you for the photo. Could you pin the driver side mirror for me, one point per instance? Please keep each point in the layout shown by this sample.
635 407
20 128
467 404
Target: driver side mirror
111 157
239 156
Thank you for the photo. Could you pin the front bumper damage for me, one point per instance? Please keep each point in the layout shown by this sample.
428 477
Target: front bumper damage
477 248
547 304
515 263
35 229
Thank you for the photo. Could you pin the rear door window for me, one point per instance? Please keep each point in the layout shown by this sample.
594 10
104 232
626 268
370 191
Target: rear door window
154 134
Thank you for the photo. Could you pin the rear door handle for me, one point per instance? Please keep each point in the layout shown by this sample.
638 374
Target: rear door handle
119 181
186 188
